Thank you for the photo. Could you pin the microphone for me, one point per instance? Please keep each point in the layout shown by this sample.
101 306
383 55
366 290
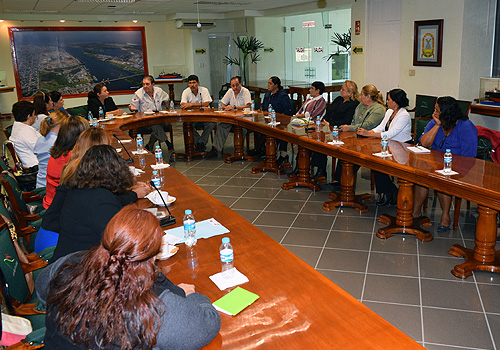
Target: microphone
201 102
169 220
129 160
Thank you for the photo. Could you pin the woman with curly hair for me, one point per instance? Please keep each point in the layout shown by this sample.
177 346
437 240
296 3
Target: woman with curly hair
112 297
448 129
90 198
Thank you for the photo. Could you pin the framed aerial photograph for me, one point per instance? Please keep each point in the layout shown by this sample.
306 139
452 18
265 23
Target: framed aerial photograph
72 60
428 43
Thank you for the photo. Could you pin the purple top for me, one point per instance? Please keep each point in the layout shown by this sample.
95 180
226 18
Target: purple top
462 140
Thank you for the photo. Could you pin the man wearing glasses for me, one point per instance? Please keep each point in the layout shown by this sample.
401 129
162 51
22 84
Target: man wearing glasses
238 97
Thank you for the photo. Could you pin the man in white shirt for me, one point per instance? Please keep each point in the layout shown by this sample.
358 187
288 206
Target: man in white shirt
196 96
149 98
23 135
238 97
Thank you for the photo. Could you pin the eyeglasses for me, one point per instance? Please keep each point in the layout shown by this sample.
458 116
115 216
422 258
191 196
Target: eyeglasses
441 144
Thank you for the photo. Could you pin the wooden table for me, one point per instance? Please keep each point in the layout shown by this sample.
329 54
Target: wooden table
477 180
298 308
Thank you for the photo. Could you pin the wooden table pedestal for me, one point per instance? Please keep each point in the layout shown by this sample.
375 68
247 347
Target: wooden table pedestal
483 257
269 164
189 152
346 197
238 148
404 222
303 178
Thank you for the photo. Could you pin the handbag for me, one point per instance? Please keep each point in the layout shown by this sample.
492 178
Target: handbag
14 329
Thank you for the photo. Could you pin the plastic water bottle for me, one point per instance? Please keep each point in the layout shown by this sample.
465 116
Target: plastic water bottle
318 125
90 117
226 257
101 113
140 143
142 161
269 108
252 106
172 106
189 228
156 179
273 117
158 155
448 158
220 106
385 145
335 133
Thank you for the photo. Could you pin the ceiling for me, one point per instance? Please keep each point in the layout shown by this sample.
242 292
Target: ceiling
153 8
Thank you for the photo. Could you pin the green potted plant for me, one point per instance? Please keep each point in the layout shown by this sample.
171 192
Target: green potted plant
249 47
342 40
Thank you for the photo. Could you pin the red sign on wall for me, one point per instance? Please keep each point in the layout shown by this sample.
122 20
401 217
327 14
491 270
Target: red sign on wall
357 27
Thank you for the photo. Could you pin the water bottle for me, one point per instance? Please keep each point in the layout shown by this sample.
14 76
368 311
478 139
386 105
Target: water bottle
189 228
335 133
142 161
226 257
101 113
140 143
318 125
220 106
385 145
156 179
90 118
252 106
172 106
448 158
269 109
273 117
158 155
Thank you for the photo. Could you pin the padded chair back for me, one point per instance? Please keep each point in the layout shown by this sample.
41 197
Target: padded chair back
464 106
78 111
424 106
11 156
419 127
8 131
13 191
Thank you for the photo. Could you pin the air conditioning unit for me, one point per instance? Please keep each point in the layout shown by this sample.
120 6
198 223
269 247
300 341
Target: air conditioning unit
182 24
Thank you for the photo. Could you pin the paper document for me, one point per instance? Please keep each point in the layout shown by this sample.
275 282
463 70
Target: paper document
204 229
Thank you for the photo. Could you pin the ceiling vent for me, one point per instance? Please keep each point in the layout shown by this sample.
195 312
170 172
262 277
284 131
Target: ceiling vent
181 24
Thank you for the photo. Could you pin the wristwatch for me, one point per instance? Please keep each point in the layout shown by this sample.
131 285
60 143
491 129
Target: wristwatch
234 107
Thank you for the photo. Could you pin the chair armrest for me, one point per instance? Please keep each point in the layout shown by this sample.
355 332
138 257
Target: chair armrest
26 231
24 345
27 309
31 197
33 265
412 110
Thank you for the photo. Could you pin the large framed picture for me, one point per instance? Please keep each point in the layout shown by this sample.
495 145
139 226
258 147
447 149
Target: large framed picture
428 43
72 60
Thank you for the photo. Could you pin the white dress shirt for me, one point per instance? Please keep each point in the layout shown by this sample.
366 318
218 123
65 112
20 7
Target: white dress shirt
242 99
24 138
400 127
143 102
202 96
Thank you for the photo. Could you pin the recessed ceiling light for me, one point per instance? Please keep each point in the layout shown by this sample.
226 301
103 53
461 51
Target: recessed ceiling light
62 20
135 21
105 1
112 6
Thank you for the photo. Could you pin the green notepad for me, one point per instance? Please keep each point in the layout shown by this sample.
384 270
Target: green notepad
235 301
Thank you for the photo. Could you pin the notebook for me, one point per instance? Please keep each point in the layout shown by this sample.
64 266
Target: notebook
235 301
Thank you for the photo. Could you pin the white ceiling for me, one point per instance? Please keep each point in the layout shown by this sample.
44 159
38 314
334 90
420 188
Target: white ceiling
170 8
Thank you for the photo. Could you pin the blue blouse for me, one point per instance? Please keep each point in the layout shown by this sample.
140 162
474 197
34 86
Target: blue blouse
42 152
462 140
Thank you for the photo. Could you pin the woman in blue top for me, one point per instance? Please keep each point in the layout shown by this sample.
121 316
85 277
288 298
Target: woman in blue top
448 129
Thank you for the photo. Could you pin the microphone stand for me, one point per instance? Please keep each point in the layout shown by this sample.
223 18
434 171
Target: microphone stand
129 160
201 103
169 220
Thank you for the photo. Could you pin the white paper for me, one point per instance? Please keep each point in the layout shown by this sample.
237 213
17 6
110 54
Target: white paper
336 143
140 152
446 174
235 278
274 124
126 140
419 149
155 198
160 166
381 155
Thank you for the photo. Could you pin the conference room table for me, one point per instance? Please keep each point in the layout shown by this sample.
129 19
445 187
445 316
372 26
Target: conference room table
298 308
477 180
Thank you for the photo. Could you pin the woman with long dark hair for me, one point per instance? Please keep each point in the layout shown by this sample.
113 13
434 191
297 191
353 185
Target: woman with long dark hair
43 104
112 297
99 97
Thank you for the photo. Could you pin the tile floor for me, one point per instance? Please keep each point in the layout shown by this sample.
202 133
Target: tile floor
406 281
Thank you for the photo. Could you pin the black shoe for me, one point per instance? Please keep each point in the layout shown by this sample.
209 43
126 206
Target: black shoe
282 160
169 145
199 147
212 153
255 152
319 174
387 199
294 171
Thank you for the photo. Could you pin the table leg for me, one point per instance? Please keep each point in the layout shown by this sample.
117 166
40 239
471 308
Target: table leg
483 257
403 222
189 153
270 163
238 148
346 197
303 178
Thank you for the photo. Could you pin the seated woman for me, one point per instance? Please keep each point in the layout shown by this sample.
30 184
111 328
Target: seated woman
48 129
60 152
339 113
57 102
112 296
99 97
448 129
43 104
396 125
90 198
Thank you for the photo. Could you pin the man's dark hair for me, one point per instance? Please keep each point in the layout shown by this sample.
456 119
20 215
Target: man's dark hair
193 77
150 78
22 110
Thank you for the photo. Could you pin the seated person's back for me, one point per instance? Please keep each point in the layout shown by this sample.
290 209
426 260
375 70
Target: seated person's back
23 135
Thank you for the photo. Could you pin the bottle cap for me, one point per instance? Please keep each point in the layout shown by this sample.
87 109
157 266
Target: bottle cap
155 172
225 240
139 135
188 212
157 146
448 150
335 126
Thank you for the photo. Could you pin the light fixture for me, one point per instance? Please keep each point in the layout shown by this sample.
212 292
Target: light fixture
135 21
62 20
198 25
1 20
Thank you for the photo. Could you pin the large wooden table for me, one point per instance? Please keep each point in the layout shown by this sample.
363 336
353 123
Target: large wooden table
477 180
298 307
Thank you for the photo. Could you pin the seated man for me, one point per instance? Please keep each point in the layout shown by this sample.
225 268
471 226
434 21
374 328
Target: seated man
150 98
196 96
23 135
238 97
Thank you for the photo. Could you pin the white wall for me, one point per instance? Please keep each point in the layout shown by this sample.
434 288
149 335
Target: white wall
270 31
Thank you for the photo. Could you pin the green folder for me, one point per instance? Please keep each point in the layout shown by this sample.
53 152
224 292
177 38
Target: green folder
235 301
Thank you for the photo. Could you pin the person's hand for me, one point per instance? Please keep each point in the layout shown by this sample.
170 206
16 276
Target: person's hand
142 189
132 108
118 112
362 132
344 128
435 117
188 288
229 108
324 122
